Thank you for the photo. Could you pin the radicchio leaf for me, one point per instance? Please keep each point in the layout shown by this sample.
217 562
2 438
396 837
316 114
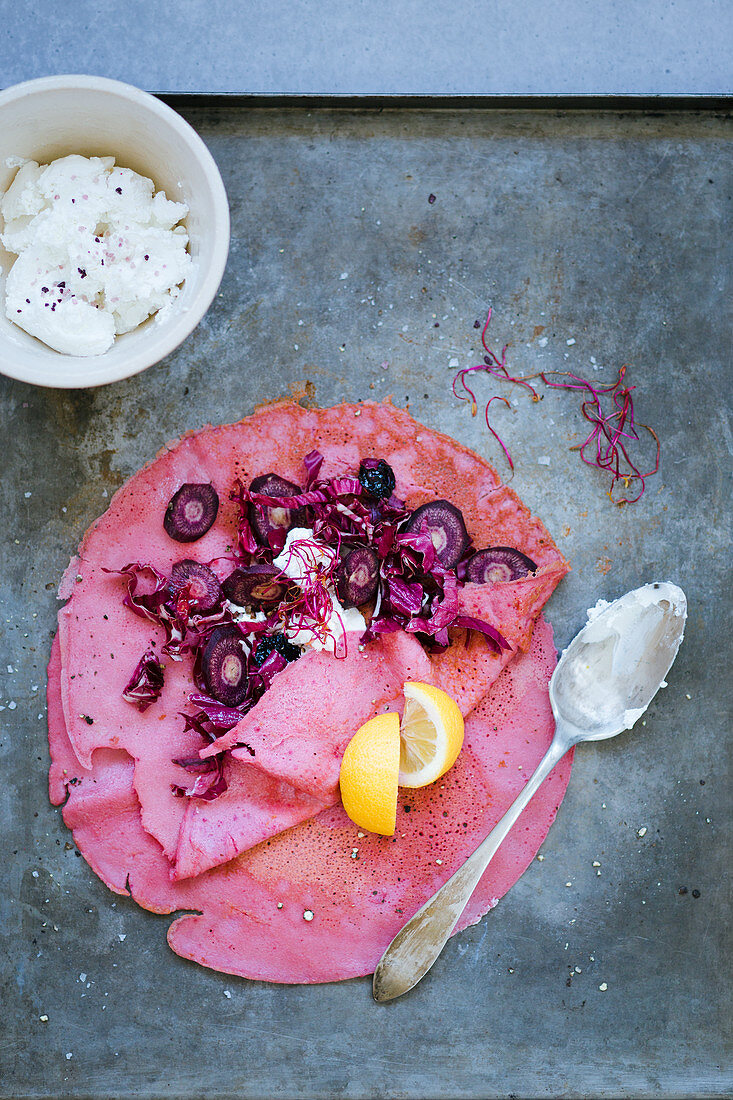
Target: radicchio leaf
312 462
209 782
146 682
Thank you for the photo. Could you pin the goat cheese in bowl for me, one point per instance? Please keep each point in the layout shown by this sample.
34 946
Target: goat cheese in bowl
98 251
53 121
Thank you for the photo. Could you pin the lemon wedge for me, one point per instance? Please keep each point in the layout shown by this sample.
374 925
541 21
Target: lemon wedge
368 777
431 735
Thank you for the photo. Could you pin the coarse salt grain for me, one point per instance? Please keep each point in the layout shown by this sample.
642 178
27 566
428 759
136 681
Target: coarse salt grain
227 994
642 831
603 987
308 915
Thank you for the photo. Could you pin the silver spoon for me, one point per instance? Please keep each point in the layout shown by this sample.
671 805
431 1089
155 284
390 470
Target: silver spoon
603 683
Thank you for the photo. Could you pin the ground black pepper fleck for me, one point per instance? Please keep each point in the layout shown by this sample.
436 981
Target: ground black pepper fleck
683 890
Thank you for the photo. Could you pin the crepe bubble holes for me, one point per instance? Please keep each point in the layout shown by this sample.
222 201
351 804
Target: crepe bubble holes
385 754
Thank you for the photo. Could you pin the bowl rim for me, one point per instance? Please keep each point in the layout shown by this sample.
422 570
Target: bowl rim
86 372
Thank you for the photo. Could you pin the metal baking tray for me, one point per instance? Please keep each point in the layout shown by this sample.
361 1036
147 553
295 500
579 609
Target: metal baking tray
599 238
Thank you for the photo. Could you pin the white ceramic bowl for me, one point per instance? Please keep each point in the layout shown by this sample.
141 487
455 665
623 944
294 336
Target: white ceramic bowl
58 115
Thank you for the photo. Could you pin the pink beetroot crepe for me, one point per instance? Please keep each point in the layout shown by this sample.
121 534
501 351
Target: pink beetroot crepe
248 915
301 726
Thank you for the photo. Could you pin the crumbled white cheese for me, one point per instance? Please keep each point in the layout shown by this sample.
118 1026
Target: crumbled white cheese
300 559
97 251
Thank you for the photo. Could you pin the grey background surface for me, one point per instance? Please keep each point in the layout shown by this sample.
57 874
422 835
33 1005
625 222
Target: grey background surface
610 231
497 47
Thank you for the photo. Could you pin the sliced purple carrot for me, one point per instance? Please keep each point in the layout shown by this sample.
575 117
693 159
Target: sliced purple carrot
498 563
266 520
196 583
443 522
357 576
256 586
224 666
191 512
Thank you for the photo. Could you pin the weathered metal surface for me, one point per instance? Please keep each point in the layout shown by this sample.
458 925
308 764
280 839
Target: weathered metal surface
598 240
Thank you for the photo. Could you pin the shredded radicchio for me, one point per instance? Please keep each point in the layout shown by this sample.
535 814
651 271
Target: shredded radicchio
209 781
415 593
146 682
149 595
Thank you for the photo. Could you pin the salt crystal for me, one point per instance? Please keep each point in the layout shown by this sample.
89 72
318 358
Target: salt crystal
121 936
11 669
344 275
542 341
570 342
43 1019
543 460
308 915
69 1055
641 831
279 905
26 495
603 987
227 994
453 362
82 977
12 705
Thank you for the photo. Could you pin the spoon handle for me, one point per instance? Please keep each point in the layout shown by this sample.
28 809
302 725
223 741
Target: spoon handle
417 945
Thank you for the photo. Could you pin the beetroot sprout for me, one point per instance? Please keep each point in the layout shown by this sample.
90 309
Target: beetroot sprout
613 429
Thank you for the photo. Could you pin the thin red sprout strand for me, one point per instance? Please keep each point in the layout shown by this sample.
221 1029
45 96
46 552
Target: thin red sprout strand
608 432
